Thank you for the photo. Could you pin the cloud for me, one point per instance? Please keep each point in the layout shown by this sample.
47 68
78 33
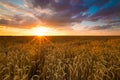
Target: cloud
3 22
14 8
61 13
69 11
16 15
19 22
102 27
106 27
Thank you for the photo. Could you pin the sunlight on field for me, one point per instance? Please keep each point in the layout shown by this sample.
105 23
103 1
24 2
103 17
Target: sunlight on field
41 58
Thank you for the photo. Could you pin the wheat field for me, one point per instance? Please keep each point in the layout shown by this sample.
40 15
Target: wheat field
59 58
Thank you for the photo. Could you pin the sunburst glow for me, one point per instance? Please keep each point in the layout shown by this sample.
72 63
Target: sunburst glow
40 31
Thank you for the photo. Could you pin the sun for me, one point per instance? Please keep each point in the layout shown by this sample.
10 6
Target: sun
40 31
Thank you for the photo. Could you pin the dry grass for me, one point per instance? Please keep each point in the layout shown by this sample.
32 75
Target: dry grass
73 60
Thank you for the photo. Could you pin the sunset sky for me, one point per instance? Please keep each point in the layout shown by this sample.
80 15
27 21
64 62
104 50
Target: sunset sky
59 17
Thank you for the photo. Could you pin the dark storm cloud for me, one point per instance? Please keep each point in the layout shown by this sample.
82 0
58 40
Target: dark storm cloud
61 12
102 27
3 22
57 20
114 21
18 21
69 11
41 3
108 26
6 22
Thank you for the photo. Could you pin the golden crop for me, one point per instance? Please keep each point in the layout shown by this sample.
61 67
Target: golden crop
73 60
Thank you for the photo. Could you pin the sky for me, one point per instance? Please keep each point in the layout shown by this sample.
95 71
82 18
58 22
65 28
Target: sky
60 17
